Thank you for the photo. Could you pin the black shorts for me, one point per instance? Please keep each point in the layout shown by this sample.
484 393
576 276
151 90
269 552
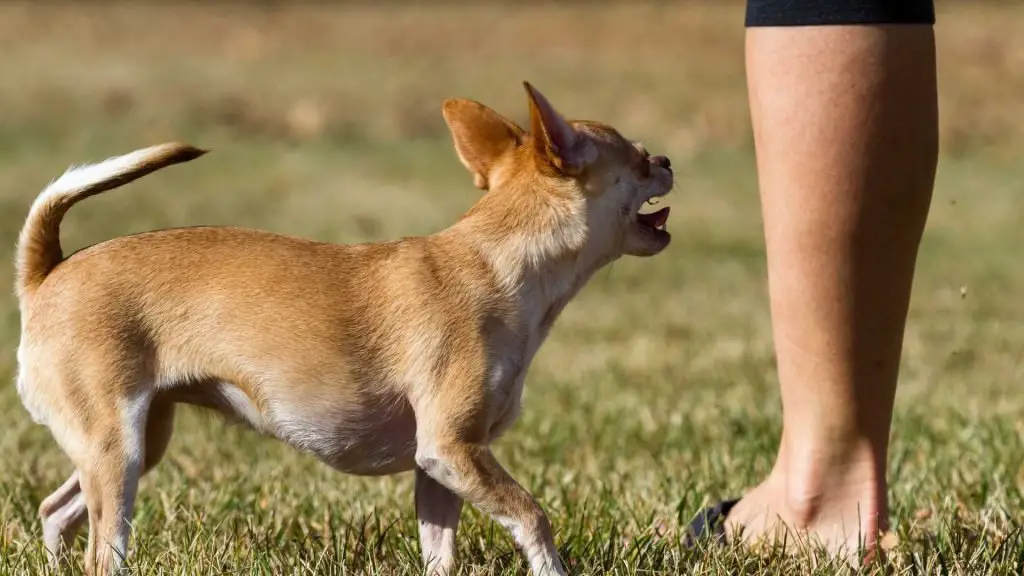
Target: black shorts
825 12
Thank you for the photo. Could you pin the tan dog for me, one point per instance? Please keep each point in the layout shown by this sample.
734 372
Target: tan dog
377 358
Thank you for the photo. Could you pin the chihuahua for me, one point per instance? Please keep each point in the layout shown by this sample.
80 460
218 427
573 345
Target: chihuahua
377 358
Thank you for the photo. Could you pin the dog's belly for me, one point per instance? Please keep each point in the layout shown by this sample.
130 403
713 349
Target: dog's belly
369 441
366 442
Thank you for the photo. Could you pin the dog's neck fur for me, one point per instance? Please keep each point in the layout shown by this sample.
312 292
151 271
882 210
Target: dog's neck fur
536 244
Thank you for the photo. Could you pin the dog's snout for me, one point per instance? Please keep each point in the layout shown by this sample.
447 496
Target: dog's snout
662 161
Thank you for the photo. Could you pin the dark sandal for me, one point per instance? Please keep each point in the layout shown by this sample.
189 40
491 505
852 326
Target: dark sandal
710 522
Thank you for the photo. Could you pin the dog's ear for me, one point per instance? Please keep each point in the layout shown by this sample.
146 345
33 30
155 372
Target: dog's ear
555 139
481 136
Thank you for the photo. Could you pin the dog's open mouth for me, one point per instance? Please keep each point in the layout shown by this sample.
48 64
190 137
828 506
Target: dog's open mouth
655 220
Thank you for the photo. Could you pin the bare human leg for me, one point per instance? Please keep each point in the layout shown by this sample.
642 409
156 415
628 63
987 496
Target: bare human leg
845 123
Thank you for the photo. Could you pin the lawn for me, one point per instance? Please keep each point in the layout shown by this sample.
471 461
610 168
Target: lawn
656 393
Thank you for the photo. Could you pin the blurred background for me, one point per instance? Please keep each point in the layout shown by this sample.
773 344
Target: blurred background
656 392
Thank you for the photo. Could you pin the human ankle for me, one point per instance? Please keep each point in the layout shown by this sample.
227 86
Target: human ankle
828 490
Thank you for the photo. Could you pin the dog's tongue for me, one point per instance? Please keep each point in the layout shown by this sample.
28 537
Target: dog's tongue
654 219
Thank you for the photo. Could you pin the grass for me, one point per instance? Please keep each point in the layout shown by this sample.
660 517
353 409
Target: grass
656 393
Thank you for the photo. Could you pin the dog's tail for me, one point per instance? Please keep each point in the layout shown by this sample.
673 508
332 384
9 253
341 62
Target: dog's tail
39 250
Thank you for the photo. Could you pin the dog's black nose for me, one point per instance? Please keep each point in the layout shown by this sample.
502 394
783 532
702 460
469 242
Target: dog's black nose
662 161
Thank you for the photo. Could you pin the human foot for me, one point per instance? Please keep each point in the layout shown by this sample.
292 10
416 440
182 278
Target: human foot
842 509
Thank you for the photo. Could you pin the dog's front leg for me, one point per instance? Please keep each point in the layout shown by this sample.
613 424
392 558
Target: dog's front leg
472 472
437 509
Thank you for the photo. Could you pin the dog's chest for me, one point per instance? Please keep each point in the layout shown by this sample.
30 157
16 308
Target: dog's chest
512 350
511 357
506 392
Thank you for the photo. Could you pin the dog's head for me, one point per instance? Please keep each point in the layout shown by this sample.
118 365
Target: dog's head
584 169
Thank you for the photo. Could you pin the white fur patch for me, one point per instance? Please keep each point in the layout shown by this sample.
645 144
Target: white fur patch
134 412
26 392
543 558
80 176
515 529
242 405
59 525
35 403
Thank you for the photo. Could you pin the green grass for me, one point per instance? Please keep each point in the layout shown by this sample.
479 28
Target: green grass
656 393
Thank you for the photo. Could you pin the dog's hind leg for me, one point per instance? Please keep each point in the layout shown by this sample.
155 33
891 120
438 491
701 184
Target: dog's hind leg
110 480
64 511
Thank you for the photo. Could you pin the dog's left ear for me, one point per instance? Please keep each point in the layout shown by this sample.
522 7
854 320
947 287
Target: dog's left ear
481 136
555 139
